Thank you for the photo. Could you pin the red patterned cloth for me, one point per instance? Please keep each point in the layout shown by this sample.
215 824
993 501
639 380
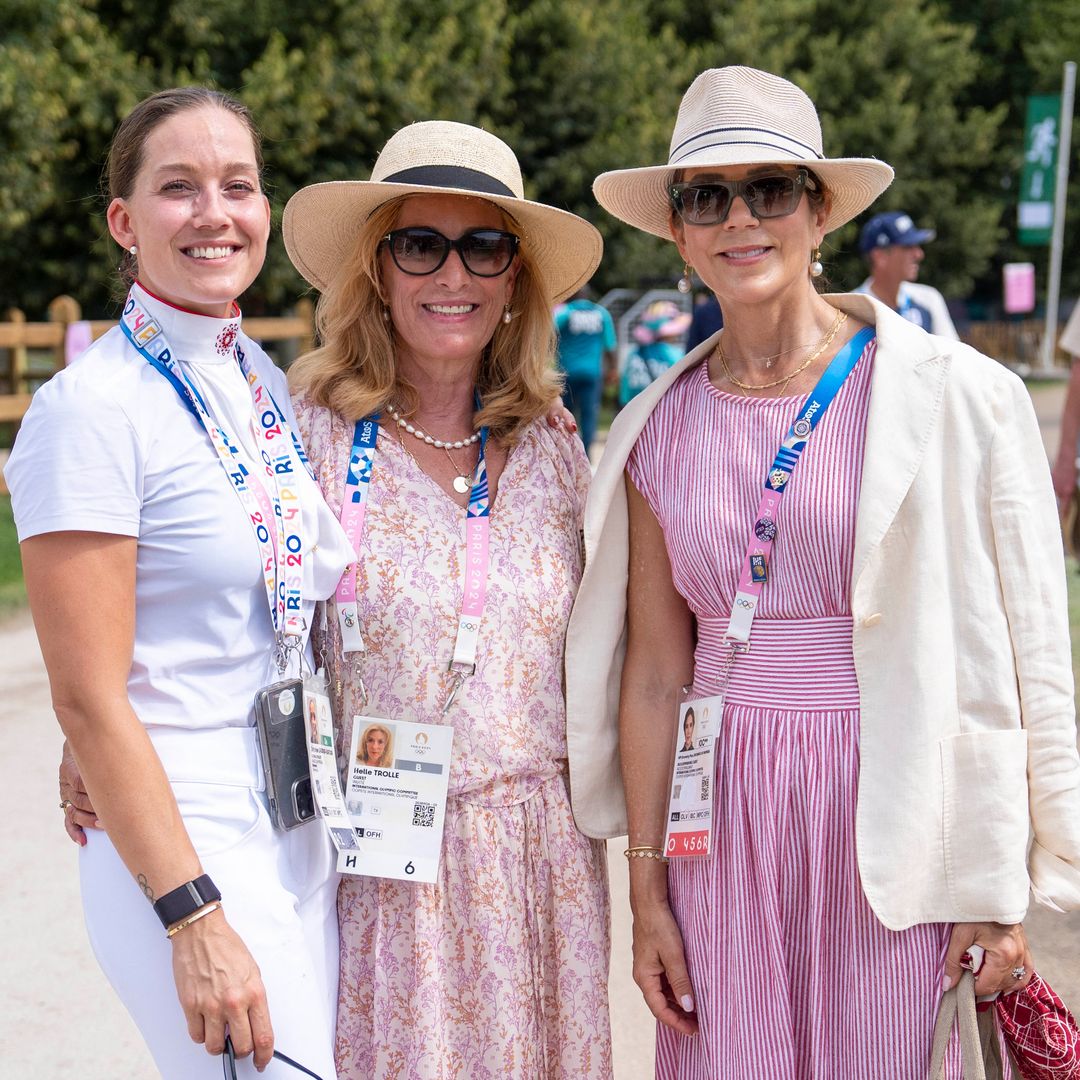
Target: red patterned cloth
1041 1032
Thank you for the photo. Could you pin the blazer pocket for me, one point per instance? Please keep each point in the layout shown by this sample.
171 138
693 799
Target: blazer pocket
985 819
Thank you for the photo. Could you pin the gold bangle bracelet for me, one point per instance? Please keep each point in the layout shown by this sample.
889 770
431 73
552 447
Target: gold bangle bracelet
645 852
192 918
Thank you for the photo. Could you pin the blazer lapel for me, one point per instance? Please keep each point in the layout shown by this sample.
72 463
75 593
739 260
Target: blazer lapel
908 386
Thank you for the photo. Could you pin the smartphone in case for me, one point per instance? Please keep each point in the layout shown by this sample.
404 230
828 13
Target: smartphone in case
279 718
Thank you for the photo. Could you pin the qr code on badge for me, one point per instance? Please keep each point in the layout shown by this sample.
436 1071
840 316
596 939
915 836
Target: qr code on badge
423 815
705 789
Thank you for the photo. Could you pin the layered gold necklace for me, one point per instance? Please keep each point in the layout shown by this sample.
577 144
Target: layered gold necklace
782 382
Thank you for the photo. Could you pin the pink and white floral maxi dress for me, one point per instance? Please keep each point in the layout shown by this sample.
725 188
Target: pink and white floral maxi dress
500 968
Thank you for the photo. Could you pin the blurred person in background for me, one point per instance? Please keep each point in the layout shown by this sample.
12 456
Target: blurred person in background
1064 471
893 248
706 319
586 358
658 344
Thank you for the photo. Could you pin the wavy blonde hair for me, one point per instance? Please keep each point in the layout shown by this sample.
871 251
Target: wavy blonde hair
354 371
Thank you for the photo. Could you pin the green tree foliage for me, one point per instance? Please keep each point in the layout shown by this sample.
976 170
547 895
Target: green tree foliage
1022 48
931 87
886 79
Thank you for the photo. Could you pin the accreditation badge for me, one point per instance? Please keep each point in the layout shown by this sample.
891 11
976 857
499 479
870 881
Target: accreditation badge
396 786
322 763
690 808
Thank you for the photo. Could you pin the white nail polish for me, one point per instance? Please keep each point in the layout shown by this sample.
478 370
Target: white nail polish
687 1002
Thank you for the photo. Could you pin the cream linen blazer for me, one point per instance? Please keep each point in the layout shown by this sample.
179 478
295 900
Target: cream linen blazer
969 787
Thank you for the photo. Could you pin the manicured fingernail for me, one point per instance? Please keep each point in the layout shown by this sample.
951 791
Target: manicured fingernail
946 984
687 1002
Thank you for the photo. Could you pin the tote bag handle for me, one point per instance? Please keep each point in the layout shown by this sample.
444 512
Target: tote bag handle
978 1038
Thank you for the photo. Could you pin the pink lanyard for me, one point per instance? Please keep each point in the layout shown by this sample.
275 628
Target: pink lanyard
477 555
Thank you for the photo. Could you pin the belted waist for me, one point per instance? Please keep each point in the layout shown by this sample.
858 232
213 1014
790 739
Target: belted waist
791 664
228 755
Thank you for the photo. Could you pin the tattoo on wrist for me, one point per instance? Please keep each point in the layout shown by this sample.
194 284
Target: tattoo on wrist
145 886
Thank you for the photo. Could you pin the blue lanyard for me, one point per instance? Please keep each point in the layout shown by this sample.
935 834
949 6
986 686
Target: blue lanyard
754 571
821 397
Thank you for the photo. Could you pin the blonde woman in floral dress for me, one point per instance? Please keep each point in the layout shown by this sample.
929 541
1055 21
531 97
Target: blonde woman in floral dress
437 280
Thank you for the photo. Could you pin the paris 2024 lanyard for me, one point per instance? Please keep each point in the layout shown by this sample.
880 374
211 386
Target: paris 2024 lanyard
755 566
477 557
273 507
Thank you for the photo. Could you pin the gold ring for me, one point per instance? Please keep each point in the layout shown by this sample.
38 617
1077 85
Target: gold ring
65 804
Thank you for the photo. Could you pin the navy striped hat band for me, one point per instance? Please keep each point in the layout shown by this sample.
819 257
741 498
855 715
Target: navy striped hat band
712 138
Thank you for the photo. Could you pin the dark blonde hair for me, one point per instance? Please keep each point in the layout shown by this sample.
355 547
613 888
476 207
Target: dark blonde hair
354 371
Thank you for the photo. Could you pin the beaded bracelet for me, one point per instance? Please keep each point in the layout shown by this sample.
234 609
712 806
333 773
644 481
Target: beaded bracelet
645 852
193 918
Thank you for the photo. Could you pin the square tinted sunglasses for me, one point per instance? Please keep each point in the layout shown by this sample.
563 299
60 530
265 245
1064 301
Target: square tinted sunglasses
419 250
708 202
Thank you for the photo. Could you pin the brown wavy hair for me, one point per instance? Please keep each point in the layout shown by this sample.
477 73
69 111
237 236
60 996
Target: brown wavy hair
354 371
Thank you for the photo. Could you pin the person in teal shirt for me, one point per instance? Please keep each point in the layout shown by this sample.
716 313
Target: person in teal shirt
586 354
659 341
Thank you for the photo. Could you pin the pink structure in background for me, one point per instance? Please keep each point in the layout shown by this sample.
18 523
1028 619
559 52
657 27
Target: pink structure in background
1019 279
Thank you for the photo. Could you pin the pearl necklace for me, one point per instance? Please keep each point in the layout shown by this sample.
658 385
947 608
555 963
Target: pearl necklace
440 444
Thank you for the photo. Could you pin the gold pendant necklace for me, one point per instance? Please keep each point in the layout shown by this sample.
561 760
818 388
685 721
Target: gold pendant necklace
826 341
462 482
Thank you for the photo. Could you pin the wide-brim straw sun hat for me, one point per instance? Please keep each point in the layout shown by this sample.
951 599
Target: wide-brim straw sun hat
741 116
322 221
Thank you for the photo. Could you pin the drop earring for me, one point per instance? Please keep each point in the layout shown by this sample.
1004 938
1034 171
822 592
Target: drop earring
816 269
507 315
685 284
385 314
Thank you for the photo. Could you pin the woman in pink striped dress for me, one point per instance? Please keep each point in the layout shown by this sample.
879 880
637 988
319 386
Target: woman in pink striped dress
881 603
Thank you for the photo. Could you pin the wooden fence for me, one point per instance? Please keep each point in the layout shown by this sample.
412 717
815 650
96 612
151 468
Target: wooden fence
31 352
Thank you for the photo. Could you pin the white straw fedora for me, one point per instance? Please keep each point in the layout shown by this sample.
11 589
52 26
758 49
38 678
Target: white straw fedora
741 116
322 221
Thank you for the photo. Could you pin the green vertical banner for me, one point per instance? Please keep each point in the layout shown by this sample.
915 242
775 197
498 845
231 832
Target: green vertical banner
1036 209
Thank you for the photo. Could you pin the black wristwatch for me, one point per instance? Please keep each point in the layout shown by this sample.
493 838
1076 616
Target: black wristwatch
182 902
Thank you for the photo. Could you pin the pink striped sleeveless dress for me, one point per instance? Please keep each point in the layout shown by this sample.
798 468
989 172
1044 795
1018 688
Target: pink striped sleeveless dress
794 977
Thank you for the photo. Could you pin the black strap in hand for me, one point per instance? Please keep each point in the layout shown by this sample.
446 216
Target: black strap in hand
228 1062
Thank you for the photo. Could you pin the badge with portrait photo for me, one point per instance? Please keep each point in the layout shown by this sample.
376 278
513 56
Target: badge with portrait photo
690 808
396 785
322 763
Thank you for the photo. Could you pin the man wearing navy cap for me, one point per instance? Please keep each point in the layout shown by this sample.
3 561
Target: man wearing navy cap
893 247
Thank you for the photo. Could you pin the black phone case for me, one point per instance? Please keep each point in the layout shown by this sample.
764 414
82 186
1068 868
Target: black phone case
282 745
